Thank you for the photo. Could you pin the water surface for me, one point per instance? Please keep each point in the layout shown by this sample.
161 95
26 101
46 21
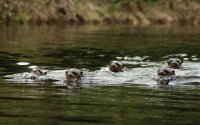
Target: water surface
92 47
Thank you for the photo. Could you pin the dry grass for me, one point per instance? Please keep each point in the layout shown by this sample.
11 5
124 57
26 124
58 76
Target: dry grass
133 12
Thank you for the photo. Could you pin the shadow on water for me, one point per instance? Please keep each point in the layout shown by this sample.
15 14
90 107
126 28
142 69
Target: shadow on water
90 47
8 63
43 104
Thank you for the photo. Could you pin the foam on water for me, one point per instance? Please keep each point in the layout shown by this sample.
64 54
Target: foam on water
144 75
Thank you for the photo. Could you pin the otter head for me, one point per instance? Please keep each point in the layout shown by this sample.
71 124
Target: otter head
165 72
36 72
174 63
73 74
116 66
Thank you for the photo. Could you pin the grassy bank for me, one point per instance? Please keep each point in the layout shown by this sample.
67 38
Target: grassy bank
133 12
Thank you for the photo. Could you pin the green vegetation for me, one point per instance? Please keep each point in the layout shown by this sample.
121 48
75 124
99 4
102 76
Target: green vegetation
134 12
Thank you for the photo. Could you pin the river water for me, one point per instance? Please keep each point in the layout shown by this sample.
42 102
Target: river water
92 48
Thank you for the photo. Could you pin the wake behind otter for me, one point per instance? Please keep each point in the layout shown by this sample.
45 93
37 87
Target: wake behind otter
190 72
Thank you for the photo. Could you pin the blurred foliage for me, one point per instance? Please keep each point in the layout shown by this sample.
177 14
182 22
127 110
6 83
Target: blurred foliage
95 11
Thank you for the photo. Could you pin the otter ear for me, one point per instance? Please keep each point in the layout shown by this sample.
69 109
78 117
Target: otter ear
169 61
81 73
181 61
33 71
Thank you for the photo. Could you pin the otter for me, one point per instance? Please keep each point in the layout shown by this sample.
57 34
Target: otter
116 66
36 72
165 75
174 63
165 72
73 74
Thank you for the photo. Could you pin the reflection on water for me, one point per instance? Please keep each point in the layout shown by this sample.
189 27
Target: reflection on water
90 47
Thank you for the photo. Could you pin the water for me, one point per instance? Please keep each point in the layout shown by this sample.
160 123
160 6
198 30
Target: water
92 48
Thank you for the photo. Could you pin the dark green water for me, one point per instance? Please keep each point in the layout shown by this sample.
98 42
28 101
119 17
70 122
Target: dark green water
90 47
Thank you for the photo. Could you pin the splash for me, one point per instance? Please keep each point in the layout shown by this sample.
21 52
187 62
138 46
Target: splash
145 74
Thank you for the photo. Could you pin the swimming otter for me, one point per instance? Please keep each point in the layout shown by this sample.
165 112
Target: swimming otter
73 74
165 72
174 63
116 66
165 76
36 72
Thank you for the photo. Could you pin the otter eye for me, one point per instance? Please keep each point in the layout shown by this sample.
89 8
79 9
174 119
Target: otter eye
75 73
166 71
40 71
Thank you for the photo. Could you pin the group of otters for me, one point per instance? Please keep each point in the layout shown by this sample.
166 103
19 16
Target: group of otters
74 74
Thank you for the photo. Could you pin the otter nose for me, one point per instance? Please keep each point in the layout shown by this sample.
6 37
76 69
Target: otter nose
70 76
113 68
175 65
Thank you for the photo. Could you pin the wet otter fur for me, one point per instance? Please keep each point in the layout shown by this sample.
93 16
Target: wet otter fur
73 74
165 72
174 63
36 72
116 66
165 75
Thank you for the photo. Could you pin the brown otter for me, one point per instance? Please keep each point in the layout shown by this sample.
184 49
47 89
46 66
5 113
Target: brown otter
116 66
174 63
36 72
165 72
73 74
165 76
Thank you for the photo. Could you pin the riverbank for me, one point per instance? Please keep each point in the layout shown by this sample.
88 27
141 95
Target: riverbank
132 12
